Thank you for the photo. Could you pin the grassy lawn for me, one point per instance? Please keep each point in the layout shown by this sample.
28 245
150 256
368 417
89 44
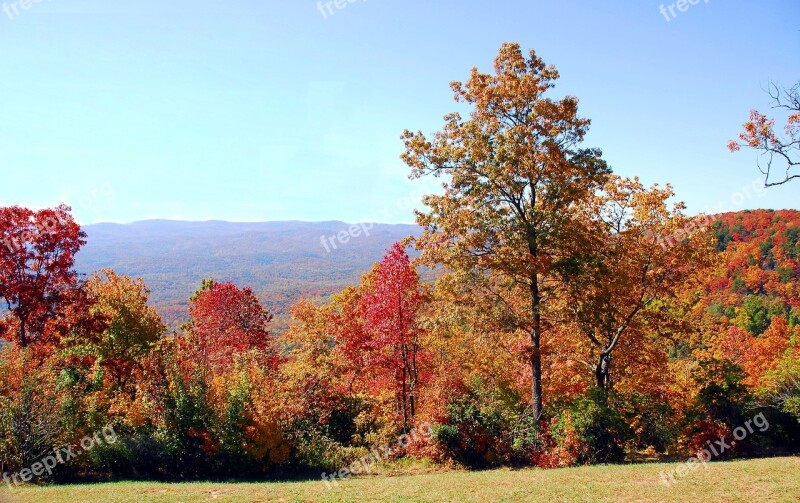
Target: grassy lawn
775 479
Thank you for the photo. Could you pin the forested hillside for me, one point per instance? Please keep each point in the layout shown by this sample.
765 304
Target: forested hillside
759 279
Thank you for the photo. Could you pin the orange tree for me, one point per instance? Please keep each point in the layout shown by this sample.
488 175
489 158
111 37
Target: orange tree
132 326
642 253
514 171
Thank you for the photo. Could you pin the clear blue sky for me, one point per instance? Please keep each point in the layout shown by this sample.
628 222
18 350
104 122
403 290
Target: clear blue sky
265 110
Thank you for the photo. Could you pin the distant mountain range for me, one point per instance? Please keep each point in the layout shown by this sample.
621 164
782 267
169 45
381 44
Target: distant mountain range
281 261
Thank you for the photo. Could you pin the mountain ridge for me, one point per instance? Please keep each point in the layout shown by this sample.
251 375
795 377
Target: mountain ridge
282 261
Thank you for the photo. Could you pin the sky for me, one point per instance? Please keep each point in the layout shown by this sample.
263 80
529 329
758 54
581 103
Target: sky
261 110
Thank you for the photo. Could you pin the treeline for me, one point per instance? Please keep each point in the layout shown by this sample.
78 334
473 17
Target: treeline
223 398
577 317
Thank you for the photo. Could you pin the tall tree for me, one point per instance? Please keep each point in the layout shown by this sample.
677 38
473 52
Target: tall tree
390 318
759 134
37 254
515 171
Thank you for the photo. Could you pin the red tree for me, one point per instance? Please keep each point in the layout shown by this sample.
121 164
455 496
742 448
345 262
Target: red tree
227 320
390 319
37 254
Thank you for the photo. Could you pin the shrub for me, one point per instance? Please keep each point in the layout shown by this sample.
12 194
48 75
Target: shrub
318 452
592 430
653 421
485 427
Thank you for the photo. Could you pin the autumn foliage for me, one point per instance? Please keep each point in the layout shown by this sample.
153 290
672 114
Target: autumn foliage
779 151
568 316
37 282
225 322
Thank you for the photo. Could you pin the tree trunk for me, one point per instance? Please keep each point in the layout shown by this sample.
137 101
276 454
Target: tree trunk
414 377
602 371
23 336
536 352
405 400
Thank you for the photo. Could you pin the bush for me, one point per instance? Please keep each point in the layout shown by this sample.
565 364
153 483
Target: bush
318 452
592 430
485 427
653 421
30 410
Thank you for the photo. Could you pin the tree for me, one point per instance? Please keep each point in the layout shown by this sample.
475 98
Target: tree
782 386
227 320
390 319
37 255
132 326
759 134
642 252
760 354
515 172
314 368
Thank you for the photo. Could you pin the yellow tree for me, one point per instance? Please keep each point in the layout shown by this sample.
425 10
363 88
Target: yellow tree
314 370
133 327
514 172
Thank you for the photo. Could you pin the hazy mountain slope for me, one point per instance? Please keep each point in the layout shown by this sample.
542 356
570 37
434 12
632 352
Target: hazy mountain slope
281 261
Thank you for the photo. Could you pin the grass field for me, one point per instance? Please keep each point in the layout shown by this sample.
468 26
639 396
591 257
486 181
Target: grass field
775 479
